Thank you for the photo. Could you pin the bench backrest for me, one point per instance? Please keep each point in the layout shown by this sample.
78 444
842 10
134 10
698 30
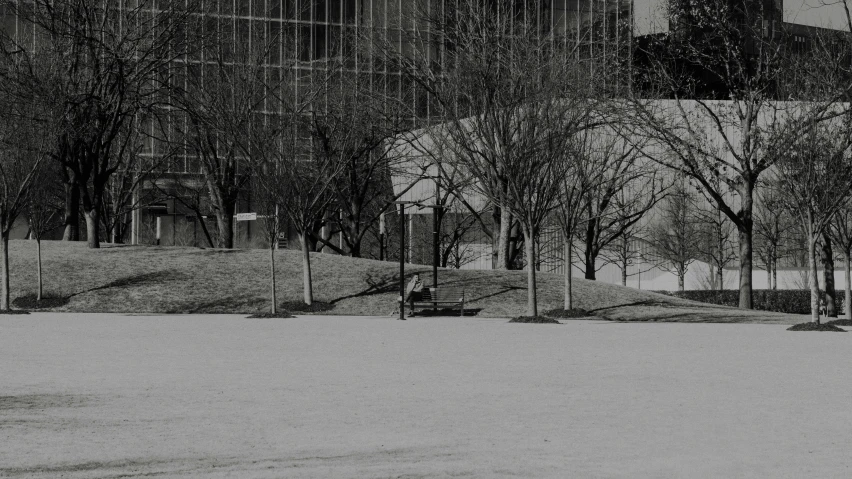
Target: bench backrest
442 294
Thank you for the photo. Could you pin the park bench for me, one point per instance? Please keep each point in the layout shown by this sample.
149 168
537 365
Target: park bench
431 297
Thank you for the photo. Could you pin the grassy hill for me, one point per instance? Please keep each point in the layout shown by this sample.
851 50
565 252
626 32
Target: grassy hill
146 279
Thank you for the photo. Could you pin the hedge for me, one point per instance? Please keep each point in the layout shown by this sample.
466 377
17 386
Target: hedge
793 301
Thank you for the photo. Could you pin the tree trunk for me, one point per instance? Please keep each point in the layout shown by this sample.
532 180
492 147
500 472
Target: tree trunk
847 286
307 282
745 268
588 256
204 229
720 277
828 277
4 275
745 230
720 273
274 308
812 279
681 273
354 248
92 237
589 263
774 273
72 209
512 254
569 294
503 240
532 300
40 284
225 221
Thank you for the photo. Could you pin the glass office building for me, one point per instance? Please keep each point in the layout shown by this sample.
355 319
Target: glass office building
315 34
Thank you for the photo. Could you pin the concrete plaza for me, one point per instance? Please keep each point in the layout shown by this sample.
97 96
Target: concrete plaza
101 395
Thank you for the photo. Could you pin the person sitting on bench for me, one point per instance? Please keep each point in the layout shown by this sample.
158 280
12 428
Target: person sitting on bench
415 289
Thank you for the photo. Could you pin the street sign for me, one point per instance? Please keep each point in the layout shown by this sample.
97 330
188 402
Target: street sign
246 216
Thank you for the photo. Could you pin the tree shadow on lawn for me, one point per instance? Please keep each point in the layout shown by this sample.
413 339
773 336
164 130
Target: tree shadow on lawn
226 305
390 283
52 300
42 401
154 277
444 312
376 285
123 468
664 312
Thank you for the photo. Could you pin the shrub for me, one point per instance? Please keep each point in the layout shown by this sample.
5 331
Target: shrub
792 301
568 314
300 306
28 301
281 314
534 320
816 327
841 322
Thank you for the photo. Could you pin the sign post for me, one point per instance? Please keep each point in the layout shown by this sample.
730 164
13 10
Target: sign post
246 216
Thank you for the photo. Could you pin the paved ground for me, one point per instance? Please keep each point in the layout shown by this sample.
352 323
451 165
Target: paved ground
94 396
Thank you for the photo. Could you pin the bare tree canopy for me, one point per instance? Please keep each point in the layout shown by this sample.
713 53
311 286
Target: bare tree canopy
111 62
815 180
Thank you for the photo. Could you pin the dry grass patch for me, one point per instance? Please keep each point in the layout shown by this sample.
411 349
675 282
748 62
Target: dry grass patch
816 327
153 279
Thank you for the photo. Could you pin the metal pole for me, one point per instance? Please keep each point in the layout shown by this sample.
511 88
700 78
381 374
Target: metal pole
435 236
402 262
382 236
435 252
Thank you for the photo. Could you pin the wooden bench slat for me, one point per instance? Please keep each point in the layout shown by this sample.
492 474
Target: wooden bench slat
434 296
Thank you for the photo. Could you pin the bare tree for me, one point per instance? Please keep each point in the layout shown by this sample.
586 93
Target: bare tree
840 229
676 235
224 100
23 153
625 252
43 210
190 191
476 68
273 221
626 187
513 98
719 49
772 223
111 61
716 246
816 181
125 191
570 215
353 124
827 258
296 186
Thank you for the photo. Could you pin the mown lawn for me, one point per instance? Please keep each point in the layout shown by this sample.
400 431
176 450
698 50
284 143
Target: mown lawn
146 279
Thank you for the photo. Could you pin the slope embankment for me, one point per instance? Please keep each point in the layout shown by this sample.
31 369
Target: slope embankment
149 279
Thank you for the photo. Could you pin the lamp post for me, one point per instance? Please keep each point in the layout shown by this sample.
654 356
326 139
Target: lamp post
402 205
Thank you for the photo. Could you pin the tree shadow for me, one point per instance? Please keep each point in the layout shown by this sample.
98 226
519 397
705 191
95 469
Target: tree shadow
225 305
506 289
155 277
637 303
385 284
375 285
42 401
444 312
